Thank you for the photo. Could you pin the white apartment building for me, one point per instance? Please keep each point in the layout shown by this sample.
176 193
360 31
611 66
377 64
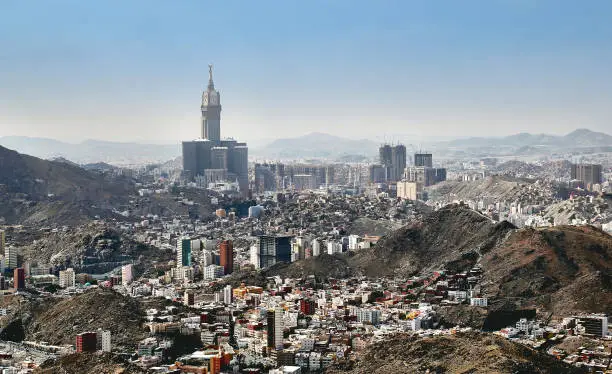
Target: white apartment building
67 278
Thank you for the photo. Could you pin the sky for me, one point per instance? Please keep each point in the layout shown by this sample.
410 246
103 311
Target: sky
132 70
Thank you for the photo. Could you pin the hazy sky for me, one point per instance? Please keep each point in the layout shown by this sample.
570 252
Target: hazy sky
134 70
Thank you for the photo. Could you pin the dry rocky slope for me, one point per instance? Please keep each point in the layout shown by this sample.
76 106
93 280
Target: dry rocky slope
57 322
91 248
468 352
562 269
35 191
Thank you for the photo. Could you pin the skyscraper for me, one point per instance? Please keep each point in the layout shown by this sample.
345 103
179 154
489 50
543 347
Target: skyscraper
226 256
183 252
210 157
398 161
275 328
393 160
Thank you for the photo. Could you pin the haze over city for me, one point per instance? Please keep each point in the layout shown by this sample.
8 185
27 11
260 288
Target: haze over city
133 71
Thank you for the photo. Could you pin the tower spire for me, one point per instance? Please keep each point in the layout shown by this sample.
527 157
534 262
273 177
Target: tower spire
211 85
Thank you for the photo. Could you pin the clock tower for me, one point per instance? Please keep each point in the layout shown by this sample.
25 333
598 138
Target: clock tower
211 111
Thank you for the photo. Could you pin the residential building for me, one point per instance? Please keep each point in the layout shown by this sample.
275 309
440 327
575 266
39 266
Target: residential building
19 279
67 278
127 274
587 174
86 342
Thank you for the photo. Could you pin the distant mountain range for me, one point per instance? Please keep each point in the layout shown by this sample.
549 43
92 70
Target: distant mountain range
315 145
92 151
575 139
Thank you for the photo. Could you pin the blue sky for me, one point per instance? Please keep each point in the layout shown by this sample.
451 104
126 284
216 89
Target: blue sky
134 70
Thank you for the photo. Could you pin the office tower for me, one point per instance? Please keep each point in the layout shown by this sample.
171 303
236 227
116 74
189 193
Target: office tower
196 156
211 111
183 252
127 274
423 159
587 174
275 328
271 250
10 256
86 342
67 278
398 162
393 160
385 157
226 256
19 279
377 173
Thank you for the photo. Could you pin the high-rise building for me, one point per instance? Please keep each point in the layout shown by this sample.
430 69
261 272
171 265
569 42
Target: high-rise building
423 159
271 250
103 340
587 174
127 274
10 256
275 328
226 256
393 160
227 294
2 241
398 162
86 342
183 252
210 158
67 278
19 279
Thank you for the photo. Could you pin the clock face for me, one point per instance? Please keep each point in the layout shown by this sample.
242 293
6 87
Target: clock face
213 100
205 99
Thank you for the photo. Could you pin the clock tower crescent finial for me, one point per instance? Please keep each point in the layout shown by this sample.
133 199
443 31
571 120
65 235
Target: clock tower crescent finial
211 85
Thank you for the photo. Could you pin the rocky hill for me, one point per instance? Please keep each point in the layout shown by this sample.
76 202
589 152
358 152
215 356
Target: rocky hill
93 248
322 267
35 191
465 352
59 321
562 270
449 237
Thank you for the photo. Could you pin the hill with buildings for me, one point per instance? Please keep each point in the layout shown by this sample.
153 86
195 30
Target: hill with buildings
36 191
57 322
452 236
79 363
463 352
93 248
